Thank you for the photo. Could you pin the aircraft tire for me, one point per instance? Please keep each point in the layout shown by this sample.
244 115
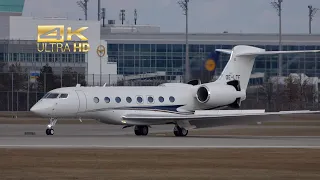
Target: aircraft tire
137 132
144 130
141 130
178 131
49 131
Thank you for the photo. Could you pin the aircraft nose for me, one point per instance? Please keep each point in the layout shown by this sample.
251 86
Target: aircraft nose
39 110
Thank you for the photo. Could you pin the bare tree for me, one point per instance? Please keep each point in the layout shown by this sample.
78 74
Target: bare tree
268 93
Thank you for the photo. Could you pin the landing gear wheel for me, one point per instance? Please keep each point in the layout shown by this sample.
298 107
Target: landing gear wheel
141 130
49 131
178 131
50 126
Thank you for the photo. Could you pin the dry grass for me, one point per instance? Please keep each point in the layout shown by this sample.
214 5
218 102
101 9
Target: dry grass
246 164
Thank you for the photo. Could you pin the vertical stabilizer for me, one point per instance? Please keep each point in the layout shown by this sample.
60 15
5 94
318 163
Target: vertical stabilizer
239 67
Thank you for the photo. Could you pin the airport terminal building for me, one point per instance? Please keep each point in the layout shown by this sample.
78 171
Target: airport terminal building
141 49
137 52
133 52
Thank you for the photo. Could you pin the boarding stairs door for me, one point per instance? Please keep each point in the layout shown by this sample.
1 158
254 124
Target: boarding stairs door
82 101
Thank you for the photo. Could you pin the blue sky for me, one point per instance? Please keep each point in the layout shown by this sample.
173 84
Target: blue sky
205 16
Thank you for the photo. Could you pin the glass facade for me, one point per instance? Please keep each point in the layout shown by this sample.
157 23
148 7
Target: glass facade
11 5
148 58
26 53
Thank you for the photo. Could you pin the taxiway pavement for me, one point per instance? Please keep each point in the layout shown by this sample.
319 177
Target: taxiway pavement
108 136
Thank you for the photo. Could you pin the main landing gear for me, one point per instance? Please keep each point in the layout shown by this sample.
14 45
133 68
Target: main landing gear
49 130
141 130
144 130
178 131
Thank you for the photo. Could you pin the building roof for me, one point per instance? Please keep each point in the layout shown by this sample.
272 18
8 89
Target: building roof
214 38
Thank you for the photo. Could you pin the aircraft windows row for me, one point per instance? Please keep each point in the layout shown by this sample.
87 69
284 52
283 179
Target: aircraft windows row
139 99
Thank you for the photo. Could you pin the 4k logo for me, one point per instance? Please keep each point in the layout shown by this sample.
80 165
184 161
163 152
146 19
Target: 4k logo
56 34
52 38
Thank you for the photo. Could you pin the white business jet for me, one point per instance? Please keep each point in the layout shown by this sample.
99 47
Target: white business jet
187 106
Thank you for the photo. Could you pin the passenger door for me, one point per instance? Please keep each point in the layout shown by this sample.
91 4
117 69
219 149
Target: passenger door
82 101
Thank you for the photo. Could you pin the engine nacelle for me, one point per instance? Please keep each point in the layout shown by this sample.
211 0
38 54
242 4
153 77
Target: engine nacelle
214 95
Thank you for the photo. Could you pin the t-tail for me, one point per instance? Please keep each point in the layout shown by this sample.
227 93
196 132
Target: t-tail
242 57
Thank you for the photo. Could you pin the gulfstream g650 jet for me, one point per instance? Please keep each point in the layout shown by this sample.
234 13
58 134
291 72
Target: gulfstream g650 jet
187 106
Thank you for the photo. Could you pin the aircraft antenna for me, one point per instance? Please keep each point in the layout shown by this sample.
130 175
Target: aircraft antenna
184 4
278 6
84 6
312 12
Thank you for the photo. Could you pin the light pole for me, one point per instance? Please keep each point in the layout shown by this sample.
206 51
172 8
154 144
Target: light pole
184 5
312 12
278 7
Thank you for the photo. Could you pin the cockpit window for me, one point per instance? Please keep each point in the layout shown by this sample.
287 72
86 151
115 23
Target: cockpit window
52 95
45 95
63 96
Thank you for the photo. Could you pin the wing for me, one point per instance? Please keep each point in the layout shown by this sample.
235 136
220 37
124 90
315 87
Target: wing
215 118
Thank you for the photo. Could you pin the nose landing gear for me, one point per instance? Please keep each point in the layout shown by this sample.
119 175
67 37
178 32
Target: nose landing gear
49 130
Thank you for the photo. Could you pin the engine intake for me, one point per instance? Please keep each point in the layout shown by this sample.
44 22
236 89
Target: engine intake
213 95
203 94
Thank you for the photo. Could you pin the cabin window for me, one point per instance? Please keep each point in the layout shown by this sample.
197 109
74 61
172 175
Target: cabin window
150 99
118 99
161 99
129 100
63 96
96 100
139 99
52 95
171 99
107 100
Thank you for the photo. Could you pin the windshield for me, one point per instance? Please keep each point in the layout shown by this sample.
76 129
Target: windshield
52 95
63 96
45 95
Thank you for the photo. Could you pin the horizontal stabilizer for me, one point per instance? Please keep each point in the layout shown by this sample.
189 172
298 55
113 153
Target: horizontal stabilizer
276 52
229 51
226 51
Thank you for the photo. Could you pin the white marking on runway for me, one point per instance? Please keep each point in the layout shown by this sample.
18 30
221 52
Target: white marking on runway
154 147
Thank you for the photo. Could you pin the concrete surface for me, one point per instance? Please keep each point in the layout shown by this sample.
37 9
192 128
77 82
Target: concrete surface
107 136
